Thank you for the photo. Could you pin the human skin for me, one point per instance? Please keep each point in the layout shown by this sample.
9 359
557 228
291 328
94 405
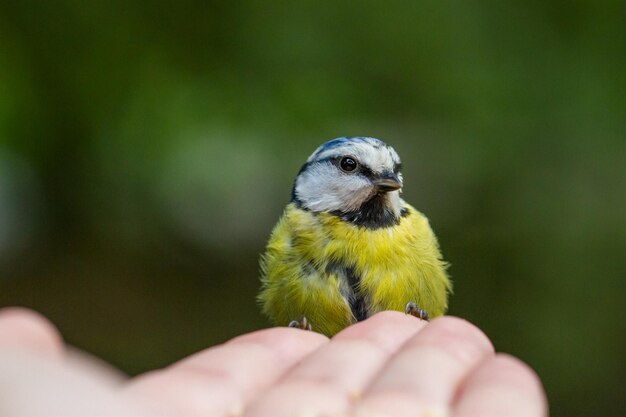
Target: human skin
389 365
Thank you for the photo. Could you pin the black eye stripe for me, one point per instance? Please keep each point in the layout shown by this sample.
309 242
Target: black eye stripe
336 160
366 171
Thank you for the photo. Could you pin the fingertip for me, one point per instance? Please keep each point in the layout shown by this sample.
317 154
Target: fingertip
503 386
22 328
394 321
459 325
288 340
457 332
391 316
388 329
509 370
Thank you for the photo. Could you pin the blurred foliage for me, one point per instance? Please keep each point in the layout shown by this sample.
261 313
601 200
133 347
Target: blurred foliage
147 148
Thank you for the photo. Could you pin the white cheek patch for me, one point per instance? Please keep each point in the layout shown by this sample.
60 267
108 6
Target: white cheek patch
394 203
322 187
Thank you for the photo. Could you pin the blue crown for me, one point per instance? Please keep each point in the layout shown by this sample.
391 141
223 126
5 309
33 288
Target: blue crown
345 140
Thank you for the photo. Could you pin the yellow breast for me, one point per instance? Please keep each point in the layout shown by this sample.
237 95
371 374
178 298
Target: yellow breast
394 265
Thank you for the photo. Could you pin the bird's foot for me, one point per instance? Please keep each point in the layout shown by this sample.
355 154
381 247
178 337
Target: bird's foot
303 324
412 309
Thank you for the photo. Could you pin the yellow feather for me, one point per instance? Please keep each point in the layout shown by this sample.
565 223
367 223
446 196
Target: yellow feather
396 265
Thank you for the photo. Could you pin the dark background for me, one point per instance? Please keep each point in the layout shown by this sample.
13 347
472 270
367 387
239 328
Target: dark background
148 147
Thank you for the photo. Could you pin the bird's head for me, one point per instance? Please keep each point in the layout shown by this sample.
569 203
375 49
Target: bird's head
347 174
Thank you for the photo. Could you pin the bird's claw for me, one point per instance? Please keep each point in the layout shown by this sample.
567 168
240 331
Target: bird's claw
303 324
412 309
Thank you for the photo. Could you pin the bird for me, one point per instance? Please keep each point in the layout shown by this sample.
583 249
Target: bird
348 246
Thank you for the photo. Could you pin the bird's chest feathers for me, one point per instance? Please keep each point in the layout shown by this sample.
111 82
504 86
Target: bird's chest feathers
384 254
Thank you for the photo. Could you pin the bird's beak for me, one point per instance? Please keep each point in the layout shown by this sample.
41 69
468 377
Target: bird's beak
387 182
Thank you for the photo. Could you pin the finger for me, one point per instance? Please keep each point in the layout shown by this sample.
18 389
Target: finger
36 385
422 377
332 378
221 380
502 387
25 330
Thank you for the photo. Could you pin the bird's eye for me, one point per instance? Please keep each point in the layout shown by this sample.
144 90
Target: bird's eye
348 164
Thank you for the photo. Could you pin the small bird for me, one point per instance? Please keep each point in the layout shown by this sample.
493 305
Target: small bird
347 246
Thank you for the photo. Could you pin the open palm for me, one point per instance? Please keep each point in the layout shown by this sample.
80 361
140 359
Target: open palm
389 365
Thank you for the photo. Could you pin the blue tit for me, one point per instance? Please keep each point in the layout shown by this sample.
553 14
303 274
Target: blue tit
348 246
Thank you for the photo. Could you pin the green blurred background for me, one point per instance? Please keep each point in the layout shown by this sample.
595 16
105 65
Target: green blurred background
148 147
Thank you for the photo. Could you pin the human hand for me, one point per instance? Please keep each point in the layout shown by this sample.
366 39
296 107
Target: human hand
390 365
